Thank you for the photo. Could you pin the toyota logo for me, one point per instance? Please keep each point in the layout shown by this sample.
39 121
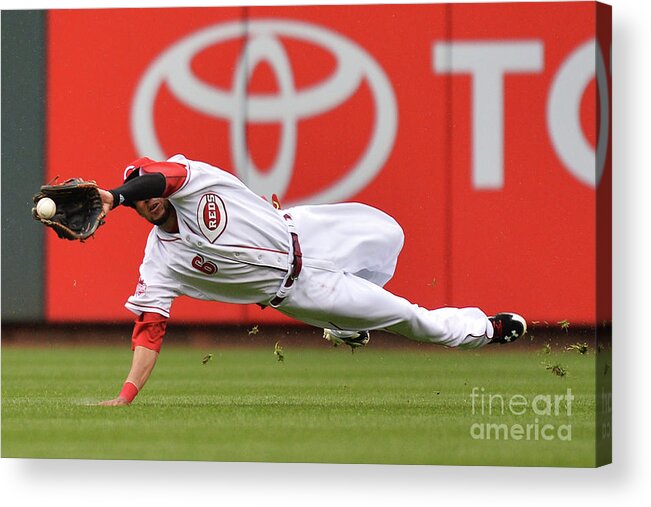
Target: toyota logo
354 66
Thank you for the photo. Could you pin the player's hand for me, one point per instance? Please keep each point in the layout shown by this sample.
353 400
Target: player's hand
114 403
107 201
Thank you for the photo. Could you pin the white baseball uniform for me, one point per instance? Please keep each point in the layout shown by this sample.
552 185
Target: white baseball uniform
234 246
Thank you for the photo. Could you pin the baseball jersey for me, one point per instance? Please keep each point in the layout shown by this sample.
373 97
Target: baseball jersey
232 245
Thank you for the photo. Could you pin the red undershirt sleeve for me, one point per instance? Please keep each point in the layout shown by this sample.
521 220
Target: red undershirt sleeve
175 174
148 331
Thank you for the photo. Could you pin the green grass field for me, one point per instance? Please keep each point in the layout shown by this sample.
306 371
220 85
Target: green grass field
378 405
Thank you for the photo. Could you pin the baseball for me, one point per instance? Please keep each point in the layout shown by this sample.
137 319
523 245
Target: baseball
46 208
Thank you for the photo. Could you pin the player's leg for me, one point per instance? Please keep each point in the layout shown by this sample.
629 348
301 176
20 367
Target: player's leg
346 302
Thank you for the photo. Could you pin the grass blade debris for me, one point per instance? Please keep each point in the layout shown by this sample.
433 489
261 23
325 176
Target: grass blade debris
278 352
581 348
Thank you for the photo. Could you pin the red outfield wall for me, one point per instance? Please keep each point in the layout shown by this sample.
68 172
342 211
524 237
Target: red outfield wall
475 126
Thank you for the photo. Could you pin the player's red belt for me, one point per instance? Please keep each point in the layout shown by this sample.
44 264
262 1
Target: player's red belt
297 265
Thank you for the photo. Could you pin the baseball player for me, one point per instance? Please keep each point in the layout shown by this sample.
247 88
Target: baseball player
325 265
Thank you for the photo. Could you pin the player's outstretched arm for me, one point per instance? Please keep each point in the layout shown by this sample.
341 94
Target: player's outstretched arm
146 340
143 363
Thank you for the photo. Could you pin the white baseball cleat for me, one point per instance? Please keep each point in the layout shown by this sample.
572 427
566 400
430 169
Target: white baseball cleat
353 339
507 327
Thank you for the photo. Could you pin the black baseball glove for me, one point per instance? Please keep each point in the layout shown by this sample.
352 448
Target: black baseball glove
78 208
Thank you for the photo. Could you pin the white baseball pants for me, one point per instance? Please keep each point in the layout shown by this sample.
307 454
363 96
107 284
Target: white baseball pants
347 294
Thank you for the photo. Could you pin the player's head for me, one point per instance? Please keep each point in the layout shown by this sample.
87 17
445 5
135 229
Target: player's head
157 210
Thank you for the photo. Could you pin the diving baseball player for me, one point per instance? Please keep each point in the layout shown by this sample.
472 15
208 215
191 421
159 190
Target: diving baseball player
326 265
